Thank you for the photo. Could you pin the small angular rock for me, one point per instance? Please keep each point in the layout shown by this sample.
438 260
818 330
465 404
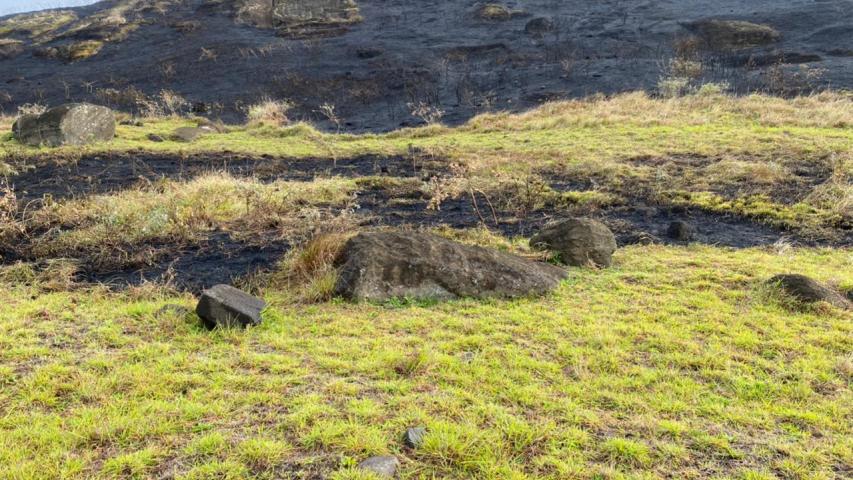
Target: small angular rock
225 306
383 465
414 437
579 241
467 357
807 290
681 231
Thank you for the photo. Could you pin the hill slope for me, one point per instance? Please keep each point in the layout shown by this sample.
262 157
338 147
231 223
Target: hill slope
377 62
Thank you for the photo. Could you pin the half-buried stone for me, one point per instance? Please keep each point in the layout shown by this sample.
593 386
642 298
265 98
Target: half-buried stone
382 466
69 124
807 290
580 242
187 134
380 266
225 306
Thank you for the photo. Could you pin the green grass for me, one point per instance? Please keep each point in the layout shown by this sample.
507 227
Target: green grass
675 363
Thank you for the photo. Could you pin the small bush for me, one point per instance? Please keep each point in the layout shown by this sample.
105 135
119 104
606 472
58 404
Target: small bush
673 87
626 452
269 111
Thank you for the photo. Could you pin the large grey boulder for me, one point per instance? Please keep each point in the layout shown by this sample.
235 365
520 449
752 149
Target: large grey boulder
69 124
382 466
379 266
807 290
579 242
225 306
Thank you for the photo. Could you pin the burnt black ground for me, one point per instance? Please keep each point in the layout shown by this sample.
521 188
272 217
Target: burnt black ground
220 258
435 51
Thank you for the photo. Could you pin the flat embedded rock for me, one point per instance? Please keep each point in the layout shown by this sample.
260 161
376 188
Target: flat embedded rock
187 134
382 465
380 266
226 306
69 124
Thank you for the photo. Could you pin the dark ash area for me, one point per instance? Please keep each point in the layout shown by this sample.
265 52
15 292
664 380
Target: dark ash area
438 53
220 258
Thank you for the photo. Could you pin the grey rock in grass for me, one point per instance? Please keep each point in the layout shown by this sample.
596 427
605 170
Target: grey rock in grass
153 137
414 437
380 266
187 134
226 306
69 124
579 242
681 231
382 465
807 290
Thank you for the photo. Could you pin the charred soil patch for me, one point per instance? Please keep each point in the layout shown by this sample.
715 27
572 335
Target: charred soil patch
99 174
387 191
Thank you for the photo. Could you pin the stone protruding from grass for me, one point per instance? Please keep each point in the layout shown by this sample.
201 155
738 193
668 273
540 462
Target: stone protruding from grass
681 231
414 437
384 466
381 266
733 34
187 134
807 290
225 306
69 124
579 242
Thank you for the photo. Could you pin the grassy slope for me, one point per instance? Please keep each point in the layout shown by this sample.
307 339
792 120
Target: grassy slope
673 364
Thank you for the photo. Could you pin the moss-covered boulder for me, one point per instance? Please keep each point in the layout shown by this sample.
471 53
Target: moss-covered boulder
69 124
